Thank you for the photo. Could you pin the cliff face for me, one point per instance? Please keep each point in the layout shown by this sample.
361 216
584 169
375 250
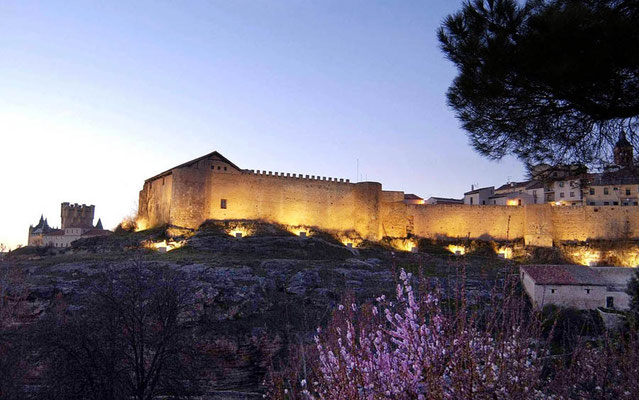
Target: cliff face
252 297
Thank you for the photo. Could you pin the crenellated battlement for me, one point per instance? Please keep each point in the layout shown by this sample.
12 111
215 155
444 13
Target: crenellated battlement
288 175
76 215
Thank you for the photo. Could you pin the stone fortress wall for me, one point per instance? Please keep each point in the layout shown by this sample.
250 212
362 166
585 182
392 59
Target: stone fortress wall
212 187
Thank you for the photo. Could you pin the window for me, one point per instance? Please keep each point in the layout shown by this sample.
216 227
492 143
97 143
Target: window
483 202
592 203
223 203
625 203
605 190
562 194
471 201
572 194
606 203
561 184
592 190
615 203
627 191
552 290
587 291
610 302
634 203
219 168
224 168
519 202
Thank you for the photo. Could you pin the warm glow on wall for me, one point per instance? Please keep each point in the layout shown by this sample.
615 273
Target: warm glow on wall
350 238
505 252
140 225
239 232
404 244
164 245
300 230
512 202
585 256
456 249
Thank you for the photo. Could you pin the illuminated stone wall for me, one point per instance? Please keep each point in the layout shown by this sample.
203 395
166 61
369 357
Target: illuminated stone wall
196 193
325 204
461 221
188 195
155 202
595 222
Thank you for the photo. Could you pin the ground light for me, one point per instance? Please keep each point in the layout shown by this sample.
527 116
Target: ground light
456 249
163 246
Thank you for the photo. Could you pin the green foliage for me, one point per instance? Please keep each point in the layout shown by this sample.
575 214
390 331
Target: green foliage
548 80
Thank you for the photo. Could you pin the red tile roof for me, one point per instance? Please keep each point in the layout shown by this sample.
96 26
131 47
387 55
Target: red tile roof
564 275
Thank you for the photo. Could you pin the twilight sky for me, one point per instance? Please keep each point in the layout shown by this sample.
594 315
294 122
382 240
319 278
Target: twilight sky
97 96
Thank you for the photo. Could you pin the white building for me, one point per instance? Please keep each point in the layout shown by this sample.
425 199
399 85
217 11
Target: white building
577 286
511 199
479 196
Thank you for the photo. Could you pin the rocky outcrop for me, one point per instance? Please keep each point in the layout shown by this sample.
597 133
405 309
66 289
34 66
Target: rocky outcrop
251 296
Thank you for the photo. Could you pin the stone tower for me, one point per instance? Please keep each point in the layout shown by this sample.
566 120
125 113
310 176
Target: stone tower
623 152
77 216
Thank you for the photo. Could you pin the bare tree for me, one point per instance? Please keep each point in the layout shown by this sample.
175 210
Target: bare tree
130 339
13 295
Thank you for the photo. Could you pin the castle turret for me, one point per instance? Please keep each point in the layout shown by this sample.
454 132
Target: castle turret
77 216
623 152
99 224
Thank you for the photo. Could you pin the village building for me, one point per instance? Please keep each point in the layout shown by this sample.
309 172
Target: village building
577 286
565 192
444 200
511 199
571 185
479 196
77 223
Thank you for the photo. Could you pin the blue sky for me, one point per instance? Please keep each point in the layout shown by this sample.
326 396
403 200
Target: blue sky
97 96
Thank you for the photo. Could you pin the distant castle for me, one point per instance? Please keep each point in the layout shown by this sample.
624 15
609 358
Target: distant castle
77 223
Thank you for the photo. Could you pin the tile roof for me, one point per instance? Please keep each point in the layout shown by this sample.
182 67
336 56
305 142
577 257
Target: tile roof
626 176
513 185
447 199
564 275
535 185
410 196
195 160
479 190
